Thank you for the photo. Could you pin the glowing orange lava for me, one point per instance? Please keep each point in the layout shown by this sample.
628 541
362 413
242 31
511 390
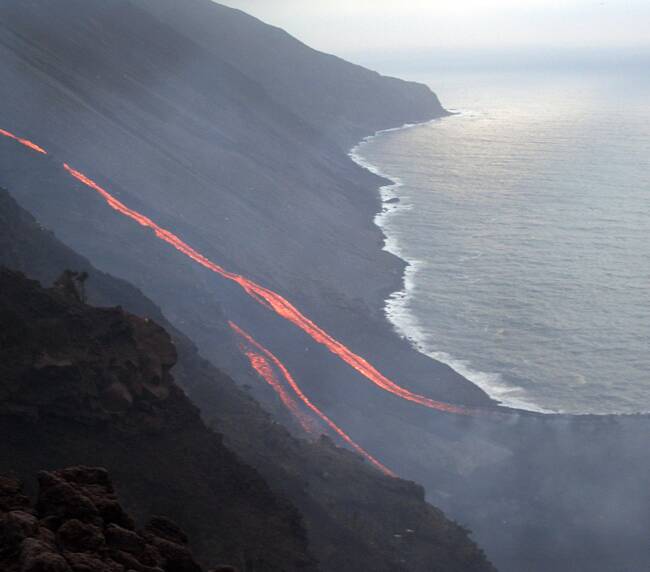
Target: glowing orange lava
271 300
26 142
262 366
292 383
264 296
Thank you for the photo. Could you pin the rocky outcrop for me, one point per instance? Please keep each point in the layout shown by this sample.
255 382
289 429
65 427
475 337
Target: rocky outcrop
96 367
92 386
78 525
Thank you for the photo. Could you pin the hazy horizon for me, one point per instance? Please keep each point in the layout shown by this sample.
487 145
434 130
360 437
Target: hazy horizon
416 34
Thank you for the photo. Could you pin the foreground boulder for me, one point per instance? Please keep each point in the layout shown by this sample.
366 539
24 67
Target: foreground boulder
78 525
355 517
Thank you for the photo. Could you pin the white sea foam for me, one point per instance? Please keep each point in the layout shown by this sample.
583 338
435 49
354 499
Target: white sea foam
397 308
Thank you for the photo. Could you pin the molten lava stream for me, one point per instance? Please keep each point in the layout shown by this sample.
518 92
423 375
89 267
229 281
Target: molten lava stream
26 142
272 301
263 296
264 369
265 353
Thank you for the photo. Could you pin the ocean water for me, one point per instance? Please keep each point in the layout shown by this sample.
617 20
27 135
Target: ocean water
526 222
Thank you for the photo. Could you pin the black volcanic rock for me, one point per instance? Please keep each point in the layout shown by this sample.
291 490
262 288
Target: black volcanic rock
80 384
86 369
78 525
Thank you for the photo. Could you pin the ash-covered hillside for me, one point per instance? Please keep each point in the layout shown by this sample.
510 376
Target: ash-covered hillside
354 517
206 120
344 101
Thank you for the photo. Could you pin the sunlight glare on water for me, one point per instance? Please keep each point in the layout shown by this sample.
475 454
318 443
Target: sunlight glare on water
527 222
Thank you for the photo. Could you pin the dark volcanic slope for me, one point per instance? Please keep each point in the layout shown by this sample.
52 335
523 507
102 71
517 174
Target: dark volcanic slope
177 112
352 512
85 385
343 101
184 126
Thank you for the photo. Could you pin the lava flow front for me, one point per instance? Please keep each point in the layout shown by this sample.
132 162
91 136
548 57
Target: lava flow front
254 347
264 369
262 295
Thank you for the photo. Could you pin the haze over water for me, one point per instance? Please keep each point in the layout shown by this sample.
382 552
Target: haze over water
527 222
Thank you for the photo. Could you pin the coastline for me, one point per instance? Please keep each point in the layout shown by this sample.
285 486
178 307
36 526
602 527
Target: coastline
405 323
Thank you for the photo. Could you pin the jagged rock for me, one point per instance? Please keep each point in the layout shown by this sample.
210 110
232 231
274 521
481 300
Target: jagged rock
26 524
178 557
130 562
57 370
80 562
12 534
124 540
82 493
117 398
79 526
11 495
44 534
164 528
59 500
36 556
77 536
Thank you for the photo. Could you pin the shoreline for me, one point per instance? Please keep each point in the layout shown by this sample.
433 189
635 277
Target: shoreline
401 320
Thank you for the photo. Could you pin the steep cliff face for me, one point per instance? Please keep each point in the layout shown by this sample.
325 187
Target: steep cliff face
84 385
356 518
107 367
78 525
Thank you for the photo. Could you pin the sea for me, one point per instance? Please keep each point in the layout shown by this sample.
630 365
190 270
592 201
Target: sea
525 222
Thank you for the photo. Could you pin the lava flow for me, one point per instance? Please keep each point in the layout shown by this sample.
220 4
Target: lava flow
265 353
262 295
264 369
26 142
